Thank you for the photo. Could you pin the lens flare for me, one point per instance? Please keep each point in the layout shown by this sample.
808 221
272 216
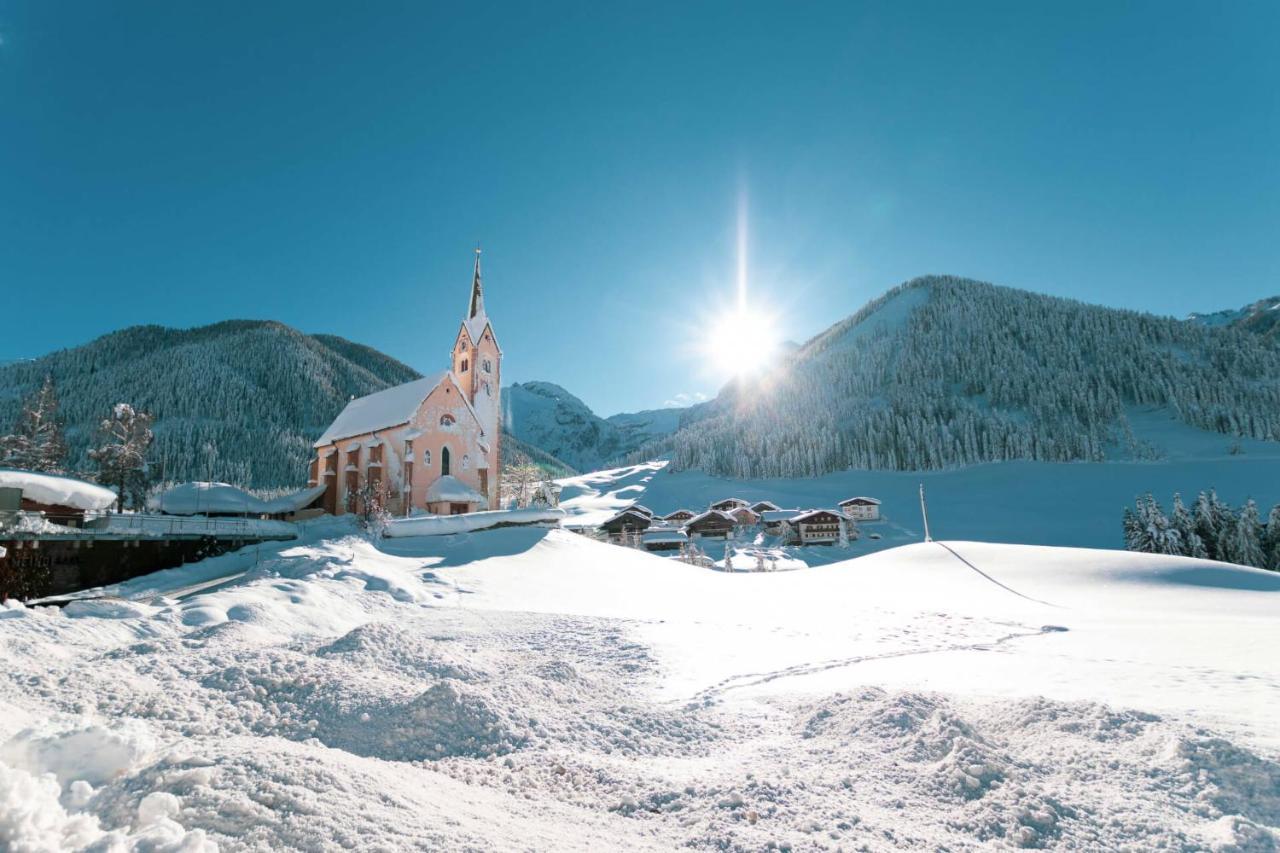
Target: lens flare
742 341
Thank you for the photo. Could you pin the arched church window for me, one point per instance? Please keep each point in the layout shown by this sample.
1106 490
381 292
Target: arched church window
444 461
447 420
487 365
465 364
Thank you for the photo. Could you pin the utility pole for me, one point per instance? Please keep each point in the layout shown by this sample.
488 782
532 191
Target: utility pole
924 513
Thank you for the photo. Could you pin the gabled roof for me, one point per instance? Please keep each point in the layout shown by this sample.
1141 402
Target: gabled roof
723 516
809 513
738 501
389 407
676 511
765 505
642 508
624 513
859 499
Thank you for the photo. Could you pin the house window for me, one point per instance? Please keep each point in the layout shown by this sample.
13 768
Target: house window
466 462
426 457
444 461
465 364
447 420
487 365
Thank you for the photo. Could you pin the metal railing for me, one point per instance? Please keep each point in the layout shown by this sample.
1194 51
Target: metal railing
31 523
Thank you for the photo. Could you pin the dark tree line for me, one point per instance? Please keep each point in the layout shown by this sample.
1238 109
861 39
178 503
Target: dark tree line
1209 529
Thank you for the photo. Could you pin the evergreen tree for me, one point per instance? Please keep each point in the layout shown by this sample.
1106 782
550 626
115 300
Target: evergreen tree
1184 523
1159 536
1206 519
37 442
1246 540
121 454
1271 539
1132 529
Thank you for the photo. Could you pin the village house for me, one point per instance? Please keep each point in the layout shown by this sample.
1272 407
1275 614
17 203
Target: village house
817 526
764 506
663 540
774 521
728 504
743 516
680 516
431 444
625 523
861 508
712 524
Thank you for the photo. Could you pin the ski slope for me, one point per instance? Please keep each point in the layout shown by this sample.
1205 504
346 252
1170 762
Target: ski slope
527 688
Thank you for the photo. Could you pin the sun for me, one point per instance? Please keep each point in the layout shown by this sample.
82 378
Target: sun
742 341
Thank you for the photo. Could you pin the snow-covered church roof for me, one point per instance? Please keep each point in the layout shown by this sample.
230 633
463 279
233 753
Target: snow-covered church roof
450 488
381 409
56 490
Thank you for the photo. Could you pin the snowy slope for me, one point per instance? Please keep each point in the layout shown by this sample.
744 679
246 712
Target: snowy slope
1261 317
1037 503
532 689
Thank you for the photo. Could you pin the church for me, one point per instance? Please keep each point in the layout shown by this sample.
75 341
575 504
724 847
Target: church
431 444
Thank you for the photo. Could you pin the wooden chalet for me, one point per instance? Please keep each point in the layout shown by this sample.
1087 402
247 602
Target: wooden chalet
861 508
680 516
764 506
663 540
774 521
817 526
712 524
744 516
625 523
728 504
643 509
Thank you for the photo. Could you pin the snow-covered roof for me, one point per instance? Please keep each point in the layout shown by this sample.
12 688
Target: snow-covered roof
737 501
202 498
689 512
809 513
386 408
56 490
450 488
710 514
628 511
664 536
766 505
779 514
859 499
411 433
642 508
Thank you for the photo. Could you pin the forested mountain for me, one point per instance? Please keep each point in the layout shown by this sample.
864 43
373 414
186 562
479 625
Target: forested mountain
1261 318
546 416
944 371
239 401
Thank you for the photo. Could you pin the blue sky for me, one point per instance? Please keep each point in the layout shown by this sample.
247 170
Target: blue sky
185 163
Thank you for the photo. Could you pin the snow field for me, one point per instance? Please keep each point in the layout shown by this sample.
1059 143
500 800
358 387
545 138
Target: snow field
532 689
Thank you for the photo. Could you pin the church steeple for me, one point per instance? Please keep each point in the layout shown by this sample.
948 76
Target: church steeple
476 307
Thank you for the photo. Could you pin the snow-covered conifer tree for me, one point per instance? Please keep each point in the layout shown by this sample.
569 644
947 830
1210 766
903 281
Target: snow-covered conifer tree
1271 539
121 454
37 442
1185 524
1246 540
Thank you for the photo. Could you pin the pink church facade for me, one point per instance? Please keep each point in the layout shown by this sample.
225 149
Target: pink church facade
429 445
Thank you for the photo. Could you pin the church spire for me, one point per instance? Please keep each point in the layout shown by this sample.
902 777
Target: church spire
477 294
